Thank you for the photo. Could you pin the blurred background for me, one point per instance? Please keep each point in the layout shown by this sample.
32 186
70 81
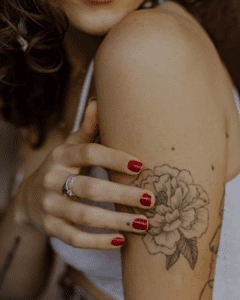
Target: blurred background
10 140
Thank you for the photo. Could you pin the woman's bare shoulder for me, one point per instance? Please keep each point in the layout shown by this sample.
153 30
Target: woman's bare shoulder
137 25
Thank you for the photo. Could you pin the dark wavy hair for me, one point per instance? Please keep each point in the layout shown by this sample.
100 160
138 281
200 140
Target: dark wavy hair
33 83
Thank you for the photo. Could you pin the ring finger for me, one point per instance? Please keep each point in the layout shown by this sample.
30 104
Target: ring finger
92 216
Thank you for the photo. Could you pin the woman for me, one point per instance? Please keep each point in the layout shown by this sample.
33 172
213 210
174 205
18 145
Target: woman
165 97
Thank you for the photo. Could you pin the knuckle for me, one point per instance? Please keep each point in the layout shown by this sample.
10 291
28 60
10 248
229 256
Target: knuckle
75 215
93 190
89 152
72 240
90 189
124 196
128 197
83 216
47 180
58 153
98 243
47 224
47 204
118 221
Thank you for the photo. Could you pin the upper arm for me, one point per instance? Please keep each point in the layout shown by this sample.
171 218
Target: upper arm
156 102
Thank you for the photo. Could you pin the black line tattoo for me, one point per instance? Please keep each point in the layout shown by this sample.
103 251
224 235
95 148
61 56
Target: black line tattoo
9 260
179 216
214 248
66 286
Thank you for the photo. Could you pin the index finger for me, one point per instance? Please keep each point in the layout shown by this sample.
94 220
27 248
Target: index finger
75 156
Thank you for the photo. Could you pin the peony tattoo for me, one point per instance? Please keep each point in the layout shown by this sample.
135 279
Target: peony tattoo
179 216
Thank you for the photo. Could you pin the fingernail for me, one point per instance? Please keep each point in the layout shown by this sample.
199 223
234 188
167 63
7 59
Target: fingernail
118 241
134 166
140 224
145 200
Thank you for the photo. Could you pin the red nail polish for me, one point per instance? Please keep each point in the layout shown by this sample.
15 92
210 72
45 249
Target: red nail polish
118 241
140 224
145 200
135 166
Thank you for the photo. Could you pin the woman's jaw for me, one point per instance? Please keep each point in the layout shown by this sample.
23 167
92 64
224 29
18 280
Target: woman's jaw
97 17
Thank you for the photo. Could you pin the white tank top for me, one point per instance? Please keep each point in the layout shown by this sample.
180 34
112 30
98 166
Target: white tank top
104 268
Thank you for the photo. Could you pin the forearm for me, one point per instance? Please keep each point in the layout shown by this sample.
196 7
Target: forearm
26 259
33 259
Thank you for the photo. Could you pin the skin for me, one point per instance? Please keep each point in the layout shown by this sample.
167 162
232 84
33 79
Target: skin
89 23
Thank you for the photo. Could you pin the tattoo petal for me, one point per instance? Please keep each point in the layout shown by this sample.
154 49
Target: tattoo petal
157 221
144 174
195 192
155 230
170 217
197 204
149 185
162 182
176 199
185 176
200 226
162 210
153 248
184 188
166 169
172 226
188 217
167 239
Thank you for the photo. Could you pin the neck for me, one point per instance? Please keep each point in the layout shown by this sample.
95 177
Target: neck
81 49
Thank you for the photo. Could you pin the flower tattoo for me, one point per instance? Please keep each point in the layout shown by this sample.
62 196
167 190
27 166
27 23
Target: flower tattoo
179 216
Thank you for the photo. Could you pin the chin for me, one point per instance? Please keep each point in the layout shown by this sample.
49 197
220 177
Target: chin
97 19
101 24
97 23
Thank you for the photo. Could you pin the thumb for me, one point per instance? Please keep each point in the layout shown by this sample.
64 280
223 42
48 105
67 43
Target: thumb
89 128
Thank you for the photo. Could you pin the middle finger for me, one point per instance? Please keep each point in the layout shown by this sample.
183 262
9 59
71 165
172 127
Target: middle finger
101 190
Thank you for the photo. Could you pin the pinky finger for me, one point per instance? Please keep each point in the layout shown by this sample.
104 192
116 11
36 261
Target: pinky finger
73 236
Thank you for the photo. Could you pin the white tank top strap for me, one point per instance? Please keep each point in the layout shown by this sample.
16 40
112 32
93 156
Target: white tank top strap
83 97
237 100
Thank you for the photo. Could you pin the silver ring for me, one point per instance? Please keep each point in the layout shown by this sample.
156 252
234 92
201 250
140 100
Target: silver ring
67 187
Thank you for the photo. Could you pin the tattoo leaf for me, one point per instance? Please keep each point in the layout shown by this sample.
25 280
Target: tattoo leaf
172 259
188 248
